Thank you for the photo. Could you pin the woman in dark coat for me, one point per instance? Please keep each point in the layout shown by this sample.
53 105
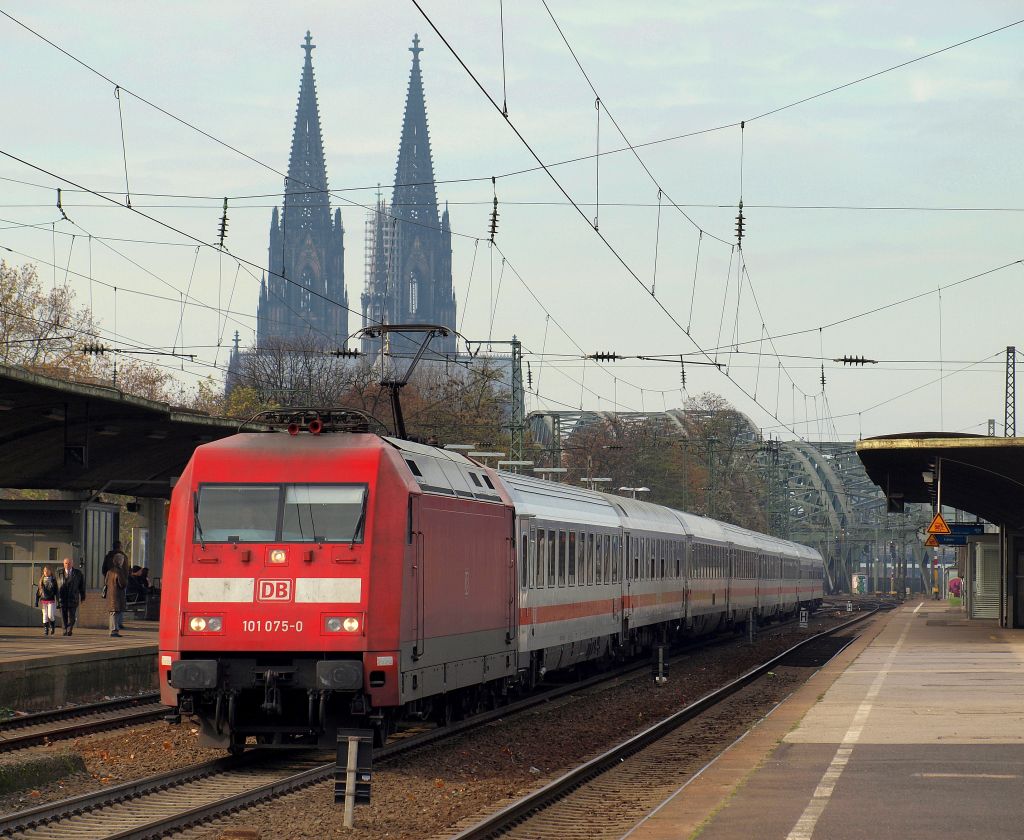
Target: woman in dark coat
116 583
47 598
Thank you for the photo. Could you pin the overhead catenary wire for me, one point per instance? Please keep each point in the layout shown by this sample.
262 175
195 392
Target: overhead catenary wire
762 333
629 148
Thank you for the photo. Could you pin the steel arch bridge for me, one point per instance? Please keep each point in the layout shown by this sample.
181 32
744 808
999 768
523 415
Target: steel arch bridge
818 492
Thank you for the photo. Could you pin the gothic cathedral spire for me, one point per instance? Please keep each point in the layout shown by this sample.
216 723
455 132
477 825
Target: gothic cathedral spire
304 299
415 285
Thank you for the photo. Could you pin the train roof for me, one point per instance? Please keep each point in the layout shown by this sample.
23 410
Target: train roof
445 472
702 527
550 499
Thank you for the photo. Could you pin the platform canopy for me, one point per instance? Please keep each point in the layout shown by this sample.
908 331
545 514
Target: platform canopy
58 435
983 476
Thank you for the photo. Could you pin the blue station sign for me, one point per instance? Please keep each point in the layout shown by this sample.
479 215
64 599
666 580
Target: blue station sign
968 528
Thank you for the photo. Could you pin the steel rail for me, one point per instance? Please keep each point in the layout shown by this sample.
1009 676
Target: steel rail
50 812
44 814
500 821
72 729
34 718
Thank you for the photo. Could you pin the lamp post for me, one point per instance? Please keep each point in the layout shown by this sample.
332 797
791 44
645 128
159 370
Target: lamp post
634 490
590 482
514 464
486 455
708 504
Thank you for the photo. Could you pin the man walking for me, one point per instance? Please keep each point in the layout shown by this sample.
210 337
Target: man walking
71 588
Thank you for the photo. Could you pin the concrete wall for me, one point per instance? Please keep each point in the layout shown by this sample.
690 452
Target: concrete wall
43 683
34 533
23 553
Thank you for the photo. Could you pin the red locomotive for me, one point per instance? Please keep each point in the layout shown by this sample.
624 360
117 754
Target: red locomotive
325 578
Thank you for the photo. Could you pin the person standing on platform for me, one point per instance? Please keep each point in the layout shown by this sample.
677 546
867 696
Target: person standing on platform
70 592
46 598
108 559
116 583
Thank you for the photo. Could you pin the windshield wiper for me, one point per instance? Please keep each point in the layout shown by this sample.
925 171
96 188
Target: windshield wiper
359 525
199 525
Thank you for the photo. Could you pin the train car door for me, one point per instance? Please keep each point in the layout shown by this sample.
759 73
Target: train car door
415 540
627 581
522 562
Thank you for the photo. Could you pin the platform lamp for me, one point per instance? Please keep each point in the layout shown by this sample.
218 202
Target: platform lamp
634 490
590 482
460 447
515 465
547 472
485 456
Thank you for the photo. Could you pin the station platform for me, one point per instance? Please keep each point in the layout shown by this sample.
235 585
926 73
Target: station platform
914 731
40 672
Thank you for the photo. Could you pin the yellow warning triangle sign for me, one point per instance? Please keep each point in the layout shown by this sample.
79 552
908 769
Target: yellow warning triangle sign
939 526
931 542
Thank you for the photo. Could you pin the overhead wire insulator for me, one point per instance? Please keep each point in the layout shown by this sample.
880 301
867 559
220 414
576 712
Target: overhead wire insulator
494 220
346 353
682 372
739 225
493 229
605 357
60 207
222 229
856 360
94 349
822 376
529 377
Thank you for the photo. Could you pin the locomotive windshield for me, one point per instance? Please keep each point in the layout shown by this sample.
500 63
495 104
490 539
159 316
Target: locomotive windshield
280 513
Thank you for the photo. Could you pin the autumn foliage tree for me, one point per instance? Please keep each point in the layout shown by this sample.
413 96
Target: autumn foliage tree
703 460
45 332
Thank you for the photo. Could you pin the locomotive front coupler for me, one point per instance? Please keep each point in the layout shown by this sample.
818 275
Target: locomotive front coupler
317 715
271 694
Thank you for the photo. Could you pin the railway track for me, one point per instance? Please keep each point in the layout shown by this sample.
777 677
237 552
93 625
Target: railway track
41 727
195 795
631 779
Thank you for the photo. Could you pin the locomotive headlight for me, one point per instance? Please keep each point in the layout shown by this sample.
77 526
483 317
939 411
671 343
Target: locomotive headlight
206 624
278 555
337 624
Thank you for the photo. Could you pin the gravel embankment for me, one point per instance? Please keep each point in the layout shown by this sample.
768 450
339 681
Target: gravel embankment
425 793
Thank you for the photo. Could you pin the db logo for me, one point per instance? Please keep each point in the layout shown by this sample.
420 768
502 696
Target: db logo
274 590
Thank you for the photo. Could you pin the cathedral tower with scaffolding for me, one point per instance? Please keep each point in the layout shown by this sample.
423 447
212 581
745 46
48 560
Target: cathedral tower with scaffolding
409 245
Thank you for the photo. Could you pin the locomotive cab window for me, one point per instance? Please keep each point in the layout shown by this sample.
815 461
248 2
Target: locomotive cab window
323 513
237 513
276 513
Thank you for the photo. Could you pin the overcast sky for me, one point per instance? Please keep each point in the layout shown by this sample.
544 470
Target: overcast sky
944 132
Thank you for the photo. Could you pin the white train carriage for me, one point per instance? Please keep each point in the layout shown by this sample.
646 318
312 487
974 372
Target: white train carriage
746 548
709 564
570 572
598 574
811 577
655 584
